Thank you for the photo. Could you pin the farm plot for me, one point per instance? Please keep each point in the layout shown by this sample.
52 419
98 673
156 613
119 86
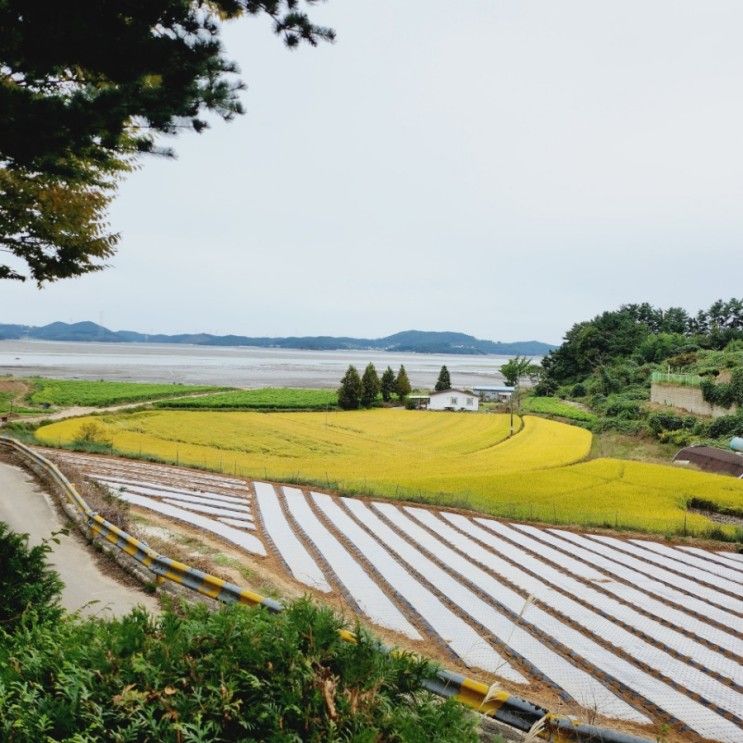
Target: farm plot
628 629
454 460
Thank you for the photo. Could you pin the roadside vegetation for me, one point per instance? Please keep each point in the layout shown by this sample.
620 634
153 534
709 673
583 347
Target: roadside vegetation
192 674
266 398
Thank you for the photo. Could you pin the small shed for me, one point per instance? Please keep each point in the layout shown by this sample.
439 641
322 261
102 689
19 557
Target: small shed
499 393
712 459
453 399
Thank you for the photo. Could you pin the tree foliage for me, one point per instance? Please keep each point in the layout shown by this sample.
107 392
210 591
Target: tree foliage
444 380
402 384
640 333
387 385
516 368
370 386
84 91
351 389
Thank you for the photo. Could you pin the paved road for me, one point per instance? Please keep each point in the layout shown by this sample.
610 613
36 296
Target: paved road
25 508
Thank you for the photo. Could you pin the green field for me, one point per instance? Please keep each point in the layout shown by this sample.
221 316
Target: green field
67 392
555 406
267 398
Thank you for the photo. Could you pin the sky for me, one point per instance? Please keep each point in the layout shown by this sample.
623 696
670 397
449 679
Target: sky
503 168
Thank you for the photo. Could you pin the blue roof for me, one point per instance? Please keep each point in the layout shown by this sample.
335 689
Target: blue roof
502 388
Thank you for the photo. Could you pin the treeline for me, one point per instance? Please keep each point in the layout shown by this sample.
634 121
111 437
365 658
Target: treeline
607 362
191 674
639 333
364 391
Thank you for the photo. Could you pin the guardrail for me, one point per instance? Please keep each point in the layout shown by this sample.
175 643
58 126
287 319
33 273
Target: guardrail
501 705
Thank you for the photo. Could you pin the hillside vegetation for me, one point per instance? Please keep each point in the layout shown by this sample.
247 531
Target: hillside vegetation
607 364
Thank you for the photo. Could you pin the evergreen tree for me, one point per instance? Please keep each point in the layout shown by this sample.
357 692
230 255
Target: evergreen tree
444 380
370 386
402 384
349 393
388 384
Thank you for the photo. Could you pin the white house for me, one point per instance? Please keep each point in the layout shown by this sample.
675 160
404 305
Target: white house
453 400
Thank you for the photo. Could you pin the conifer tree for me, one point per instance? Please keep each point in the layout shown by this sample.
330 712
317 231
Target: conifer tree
402 384
388 384
349 393
444 380
370 386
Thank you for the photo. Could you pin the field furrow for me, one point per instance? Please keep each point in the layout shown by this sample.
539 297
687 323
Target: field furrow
463 640
702 582
642 599
714 559
666 638
228 533
581 686
709 572
652 572
293 553
364 591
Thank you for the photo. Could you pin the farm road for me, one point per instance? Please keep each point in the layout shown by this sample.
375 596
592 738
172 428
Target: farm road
27 509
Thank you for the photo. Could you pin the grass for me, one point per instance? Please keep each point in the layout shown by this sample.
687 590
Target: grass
557 407
267 398
68 392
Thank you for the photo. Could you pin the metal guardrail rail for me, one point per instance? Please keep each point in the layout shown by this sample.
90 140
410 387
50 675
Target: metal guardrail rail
500 705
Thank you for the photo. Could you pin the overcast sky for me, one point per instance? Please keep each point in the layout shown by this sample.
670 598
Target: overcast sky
499 167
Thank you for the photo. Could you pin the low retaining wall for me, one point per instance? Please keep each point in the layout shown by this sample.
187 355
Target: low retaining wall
500 705
686 398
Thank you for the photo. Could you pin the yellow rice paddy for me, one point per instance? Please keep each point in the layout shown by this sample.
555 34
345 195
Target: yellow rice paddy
459 459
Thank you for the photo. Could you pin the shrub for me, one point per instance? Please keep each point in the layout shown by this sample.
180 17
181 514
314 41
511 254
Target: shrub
579 390
28 586
726 425
659 422
92 437
232 674
724 394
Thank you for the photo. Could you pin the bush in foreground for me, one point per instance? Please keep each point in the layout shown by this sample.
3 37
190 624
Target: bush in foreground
192 674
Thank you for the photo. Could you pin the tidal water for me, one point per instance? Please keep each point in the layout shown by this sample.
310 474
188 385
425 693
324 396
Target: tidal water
235 366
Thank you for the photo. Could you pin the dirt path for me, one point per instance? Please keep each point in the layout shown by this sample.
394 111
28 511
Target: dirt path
26 509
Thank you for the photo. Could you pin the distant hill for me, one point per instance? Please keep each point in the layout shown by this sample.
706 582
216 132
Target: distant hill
415 341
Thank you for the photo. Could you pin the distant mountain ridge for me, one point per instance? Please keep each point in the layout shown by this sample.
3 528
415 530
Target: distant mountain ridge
415 341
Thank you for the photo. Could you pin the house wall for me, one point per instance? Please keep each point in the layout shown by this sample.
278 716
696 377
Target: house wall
442 402
686 398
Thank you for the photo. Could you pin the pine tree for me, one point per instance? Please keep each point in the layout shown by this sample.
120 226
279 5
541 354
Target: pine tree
402 384
349 393
388 384
444 380
370 386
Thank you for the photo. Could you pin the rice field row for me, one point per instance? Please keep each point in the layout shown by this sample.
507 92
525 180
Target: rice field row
630 629
453 459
